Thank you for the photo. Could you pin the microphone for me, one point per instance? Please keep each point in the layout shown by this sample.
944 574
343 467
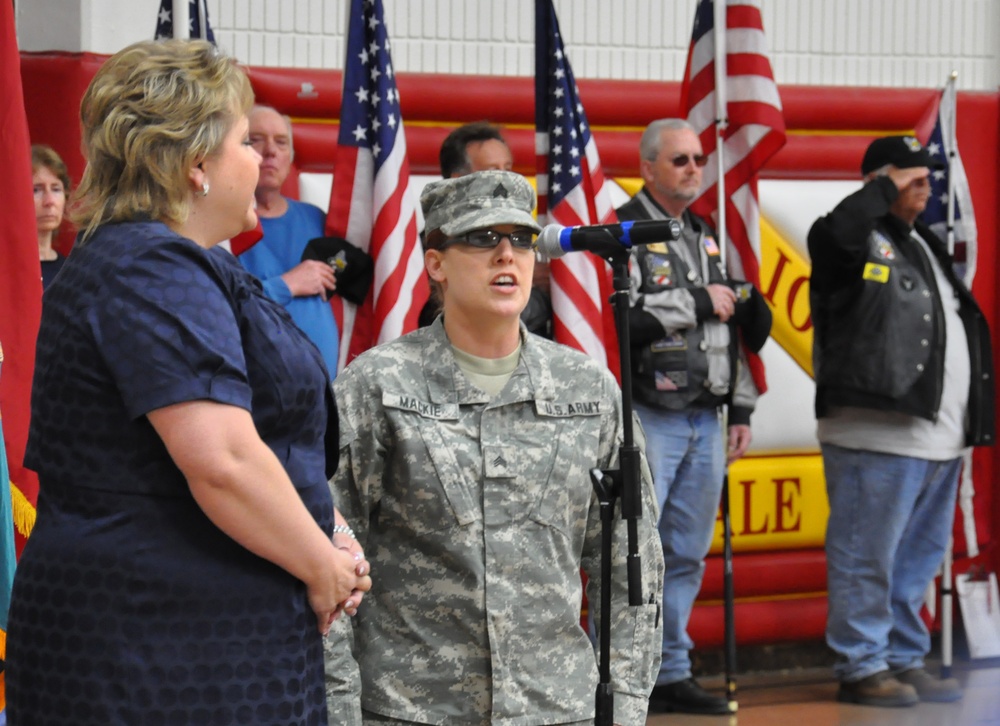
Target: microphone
606 239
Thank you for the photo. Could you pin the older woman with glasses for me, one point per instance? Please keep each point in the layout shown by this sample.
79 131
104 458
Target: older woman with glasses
465 452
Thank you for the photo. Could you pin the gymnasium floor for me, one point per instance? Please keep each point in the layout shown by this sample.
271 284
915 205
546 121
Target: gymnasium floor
807 698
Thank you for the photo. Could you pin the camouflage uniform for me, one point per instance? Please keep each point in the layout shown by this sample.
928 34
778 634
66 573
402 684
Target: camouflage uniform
477 516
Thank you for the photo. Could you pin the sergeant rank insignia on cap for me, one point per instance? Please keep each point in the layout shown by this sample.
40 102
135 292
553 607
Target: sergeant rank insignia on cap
500 191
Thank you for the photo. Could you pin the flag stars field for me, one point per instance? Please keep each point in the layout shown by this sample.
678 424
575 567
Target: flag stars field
371 203
571 192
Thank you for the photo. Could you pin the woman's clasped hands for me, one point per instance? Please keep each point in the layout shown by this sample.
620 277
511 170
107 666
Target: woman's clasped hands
341 587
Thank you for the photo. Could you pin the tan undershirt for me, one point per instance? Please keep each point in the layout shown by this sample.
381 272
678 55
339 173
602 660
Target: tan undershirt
489 374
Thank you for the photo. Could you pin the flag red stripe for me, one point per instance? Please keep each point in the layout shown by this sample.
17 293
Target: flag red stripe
385 223
747 168
701 86
422 291
744 16
573 289
564 335
346 164
747 72
742 113
747 64
245 240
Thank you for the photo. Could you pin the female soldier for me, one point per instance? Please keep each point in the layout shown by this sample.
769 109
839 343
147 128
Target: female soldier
465 452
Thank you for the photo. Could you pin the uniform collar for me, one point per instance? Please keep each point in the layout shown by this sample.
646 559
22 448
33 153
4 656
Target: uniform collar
446 383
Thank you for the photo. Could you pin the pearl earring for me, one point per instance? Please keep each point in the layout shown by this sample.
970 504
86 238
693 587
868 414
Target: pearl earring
204 189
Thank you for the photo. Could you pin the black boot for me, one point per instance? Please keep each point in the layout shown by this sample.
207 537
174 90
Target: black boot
686 697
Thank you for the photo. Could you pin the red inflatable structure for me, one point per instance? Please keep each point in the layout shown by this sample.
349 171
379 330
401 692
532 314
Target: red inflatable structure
781 594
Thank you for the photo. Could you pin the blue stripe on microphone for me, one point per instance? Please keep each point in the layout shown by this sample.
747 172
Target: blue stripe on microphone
626 238
564 235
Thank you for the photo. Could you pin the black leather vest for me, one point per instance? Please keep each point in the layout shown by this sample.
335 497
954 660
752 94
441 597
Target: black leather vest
672 372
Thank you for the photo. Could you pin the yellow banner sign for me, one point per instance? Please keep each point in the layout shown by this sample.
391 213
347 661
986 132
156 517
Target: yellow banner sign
776 503
784 282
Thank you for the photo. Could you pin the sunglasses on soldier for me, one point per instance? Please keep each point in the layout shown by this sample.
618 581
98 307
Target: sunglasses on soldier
487 239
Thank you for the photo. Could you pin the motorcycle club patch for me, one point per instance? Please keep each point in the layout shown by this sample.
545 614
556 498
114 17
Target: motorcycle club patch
660 270
883 247
876 273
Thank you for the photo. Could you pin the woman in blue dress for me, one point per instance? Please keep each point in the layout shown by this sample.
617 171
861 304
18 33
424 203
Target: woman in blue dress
185 562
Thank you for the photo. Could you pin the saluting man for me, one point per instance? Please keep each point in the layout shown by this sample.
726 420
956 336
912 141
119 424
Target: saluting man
904 382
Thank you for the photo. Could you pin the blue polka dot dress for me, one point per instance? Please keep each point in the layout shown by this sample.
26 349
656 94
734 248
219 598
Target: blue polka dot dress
129 606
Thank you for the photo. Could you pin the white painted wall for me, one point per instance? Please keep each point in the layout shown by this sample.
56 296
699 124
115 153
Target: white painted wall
911 43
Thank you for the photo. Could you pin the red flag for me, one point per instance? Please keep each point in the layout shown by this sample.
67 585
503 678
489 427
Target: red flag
20 276
571 191
371 203
756 128
245 240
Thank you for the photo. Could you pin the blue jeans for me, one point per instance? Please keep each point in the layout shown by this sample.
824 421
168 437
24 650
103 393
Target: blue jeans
685 453
890 517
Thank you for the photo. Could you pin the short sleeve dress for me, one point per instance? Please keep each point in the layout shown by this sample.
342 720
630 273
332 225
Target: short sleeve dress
129 606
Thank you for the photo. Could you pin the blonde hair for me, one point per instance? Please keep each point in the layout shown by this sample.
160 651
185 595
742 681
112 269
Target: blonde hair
45 157
153 110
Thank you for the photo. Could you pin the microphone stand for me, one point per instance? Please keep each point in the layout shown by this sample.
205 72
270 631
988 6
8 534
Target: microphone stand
624 482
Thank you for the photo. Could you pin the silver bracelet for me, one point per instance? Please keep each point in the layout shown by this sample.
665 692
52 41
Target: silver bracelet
344 529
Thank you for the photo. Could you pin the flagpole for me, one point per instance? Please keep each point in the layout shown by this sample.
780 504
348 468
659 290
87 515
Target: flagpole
182 19
541 123
721 119
952 153
721 124
946 574
202 19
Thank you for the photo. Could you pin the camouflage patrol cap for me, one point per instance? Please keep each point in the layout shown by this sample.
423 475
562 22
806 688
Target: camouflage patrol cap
477 201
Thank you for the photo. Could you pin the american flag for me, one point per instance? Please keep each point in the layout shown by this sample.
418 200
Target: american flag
571 191
943 145
755 132
197 20
372 204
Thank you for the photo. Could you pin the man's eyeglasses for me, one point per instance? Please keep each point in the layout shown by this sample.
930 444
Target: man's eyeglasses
487 239
681 160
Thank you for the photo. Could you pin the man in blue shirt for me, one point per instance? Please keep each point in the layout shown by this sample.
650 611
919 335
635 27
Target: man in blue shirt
302 287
